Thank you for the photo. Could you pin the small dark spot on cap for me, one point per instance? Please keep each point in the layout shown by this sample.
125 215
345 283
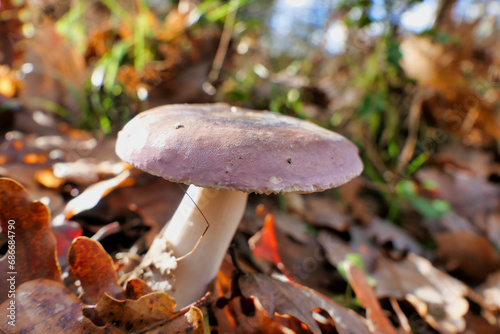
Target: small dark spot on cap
289 161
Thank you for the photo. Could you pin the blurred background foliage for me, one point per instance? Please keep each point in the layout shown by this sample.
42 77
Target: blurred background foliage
398 77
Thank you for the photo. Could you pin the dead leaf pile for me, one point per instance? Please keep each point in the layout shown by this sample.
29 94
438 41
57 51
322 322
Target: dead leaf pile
46 305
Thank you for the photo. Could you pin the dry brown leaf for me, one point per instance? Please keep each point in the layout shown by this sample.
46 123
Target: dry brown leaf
35 244
336 249
437 297
378 322
152 313
466 192
352 192
490 291
300 302
432 64
383 231
470 257
292 226
462 112
136 288
93 266
478 324
23 173
46 306
243 316
325 212
304 261
454 106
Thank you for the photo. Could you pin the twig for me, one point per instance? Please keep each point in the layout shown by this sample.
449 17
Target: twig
403 320
413 126
106 230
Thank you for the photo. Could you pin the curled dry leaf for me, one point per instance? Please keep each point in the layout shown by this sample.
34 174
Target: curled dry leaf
136 288
437 297
35 244
300 302
92 265
46 306
378 322
93 194
152 313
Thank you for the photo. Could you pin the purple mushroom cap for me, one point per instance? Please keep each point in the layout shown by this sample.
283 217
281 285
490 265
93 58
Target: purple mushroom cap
219 146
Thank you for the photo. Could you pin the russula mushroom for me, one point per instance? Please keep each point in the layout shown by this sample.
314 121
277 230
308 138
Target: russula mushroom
224 153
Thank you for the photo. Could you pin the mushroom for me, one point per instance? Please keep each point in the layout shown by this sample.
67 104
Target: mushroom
224 153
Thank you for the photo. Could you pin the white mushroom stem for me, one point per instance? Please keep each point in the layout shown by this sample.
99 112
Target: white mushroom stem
223 209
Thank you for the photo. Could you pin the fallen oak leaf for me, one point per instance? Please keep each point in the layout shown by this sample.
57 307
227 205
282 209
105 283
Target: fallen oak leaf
377 320
136 288
34 243
468 256
436 296
93 266
152 313
300 302
46 306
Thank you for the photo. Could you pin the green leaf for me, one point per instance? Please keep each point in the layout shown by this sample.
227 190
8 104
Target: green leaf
357 260
430 208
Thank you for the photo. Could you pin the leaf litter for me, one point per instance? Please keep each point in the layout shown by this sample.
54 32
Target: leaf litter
430 272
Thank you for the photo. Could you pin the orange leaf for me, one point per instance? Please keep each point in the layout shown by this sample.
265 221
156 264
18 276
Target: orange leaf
47 178
265 246
367 298
92 265
136 288
300 302
27 226
154 311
